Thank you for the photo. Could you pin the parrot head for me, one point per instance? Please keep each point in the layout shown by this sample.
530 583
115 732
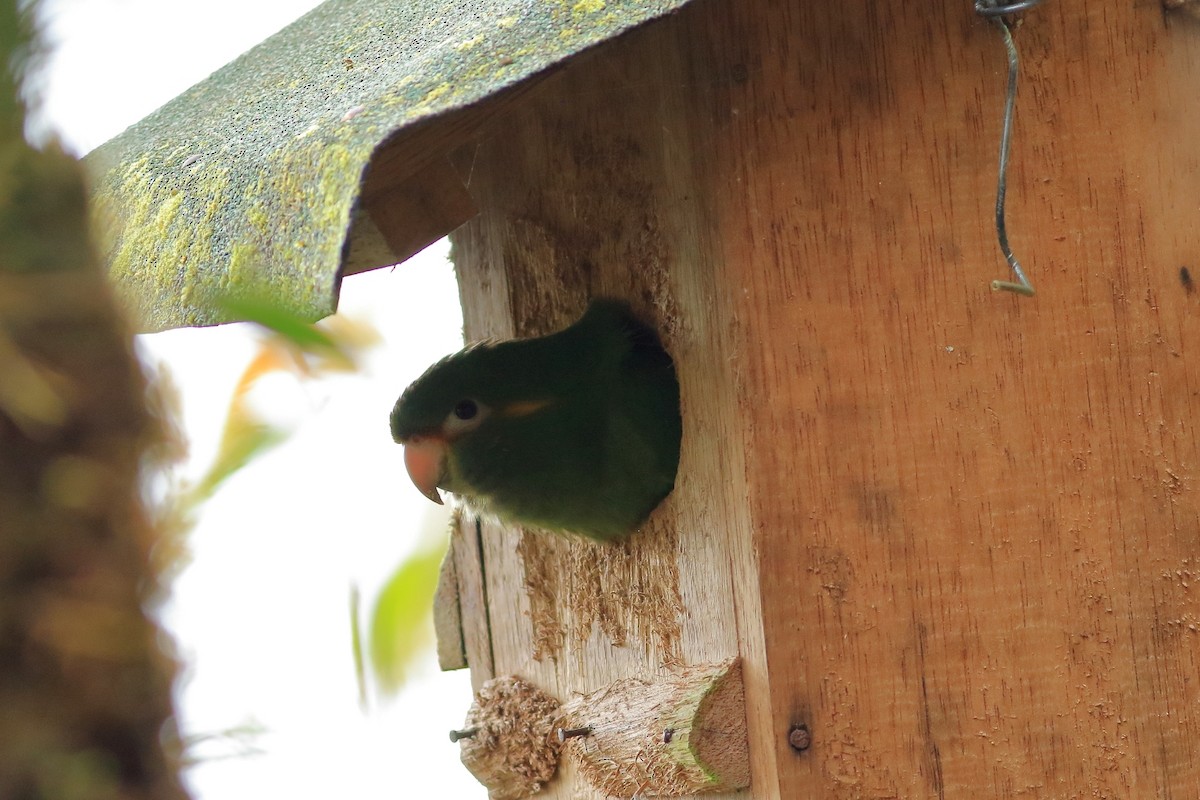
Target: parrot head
459 401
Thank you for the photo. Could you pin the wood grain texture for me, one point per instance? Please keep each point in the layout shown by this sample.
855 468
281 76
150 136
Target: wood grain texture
954 533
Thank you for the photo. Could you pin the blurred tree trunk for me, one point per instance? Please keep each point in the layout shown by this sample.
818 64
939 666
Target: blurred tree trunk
85 702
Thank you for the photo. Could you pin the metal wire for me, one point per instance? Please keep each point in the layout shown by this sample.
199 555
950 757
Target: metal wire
994 9
997 12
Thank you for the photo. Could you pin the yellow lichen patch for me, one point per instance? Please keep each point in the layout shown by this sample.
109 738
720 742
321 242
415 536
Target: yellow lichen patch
151 234
300 206
167 211
257 216
245 270
433 94
338 170
506 22
468 44
128 211
588 6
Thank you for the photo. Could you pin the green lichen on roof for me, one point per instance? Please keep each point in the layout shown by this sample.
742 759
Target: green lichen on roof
247 181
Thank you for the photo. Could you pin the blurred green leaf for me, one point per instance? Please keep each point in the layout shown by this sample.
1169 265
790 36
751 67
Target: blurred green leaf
246 434
402 620
274 317
335 344
243 440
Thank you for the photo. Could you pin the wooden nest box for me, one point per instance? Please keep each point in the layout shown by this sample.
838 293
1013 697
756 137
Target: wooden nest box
953 534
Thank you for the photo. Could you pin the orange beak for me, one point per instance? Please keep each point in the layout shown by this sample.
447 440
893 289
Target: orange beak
424 457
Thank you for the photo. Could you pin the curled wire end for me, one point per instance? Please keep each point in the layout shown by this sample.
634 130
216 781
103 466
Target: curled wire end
1016 288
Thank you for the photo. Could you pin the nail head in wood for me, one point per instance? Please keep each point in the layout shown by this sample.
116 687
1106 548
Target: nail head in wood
799 738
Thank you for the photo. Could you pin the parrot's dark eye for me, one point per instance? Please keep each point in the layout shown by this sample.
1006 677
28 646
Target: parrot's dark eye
467 415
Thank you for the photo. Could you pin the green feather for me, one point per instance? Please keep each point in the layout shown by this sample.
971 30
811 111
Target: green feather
581 431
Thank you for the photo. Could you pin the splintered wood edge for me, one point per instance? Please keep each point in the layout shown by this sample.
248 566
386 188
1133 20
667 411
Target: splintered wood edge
676 736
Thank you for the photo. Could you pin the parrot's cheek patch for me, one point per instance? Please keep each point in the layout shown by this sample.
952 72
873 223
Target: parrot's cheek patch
523 408
424 458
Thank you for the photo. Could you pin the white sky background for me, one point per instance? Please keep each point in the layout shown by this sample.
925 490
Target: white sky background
261 613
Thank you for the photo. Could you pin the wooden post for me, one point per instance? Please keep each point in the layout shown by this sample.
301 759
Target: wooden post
952 533
673 737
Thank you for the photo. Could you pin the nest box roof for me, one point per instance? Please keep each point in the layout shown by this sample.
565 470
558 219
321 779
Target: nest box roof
251 180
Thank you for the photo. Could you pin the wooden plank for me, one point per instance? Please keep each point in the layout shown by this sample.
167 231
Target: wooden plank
973 510
472 598
415 213
570 207
950 531
447 617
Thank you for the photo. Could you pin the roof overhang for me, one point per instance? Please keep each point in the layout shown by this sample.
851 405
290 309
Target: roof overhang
322 151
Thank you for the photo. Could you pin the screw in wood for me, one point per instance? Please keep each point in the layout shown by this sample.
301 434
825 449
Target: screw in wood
571 733
799 738
463 734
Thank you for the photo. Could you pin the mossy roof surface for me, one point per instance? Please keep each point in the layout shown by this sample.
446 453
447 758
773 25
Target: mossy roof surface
246 182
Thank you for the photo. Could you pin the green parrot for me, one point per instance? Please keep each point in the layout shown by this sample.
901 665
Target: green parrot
577 431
